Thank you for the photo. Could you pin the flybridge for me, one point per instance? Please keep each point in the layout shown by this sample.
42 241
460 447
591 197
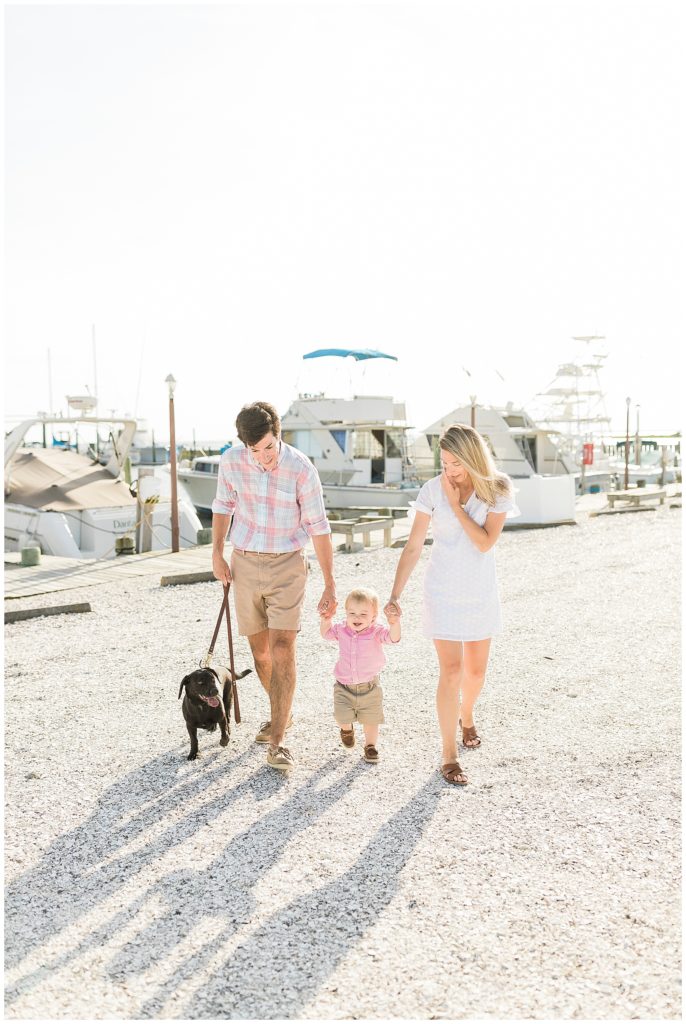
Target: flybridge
120 448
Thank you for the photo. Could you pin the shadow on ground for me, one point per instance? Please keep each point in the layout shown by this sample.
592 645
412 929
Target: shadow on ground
283 963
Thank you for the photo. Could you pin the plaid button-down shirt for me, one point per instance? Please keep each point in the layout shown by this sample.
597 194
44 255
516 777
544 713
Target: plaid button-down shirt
273 510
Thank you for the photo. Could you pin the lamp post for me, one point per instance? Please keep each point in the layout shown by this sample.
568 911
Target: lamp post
171 384
637 440
626 447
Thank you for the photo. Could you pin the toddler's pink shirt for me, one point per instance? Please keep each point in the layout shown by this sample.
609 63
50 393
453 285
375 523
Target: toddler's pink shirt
360 655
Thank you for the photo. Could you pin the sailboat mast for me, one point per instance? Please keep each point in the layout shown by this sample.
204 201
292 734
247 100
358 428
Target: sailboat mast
95 391
50 408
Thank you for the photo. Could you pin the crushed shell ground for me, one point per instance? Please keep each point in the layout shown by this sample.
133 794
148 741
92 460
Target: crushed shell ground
141 885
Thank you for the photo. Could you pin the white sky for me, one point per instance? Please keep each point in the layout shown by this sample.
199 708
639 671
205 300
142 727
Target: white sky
220 189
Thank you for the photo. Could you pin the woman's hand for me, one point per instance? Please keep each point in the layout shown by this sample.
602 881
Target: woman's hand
451 491
392 611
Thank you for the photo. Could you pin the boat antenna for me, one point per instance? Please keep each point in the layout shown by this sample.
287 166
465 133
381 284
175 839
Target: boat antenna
95 372
95 391
138 386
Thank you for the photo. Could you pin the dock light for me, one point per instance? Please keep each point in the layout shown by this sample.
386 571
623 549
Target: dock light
171 384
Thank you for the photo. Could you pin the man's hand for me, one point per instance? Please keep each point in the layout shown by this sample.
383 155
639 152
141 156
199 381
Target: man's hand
328 603
220 568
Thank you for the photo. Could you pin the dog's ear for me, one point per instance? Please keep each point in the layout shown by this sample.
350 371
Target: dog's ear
184 682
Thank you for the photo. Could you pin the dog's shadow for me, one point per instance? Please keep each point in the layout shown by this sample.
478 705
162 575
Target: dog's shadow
90 863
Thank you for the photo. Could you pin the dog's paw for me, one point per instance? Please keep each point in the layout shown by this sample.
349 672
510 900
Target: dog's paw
192 756
224 741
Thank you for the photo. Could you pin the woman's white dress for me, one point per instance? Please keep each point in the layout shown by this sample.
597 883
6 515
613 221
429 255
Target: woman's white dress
461 599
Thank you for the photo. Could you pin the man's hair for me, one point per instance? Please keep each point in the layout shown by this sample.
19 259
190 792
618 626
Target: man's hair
255 421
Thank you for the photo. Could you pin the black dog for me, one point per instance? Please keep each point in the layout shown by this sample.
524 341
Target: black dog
207 703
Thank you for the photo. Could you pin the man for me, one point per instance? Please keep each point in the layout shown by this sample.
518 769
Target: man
270 496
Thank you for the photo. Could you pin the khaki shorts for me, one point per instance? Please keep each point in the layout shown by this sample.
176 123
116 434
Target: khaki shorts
268 589
362 703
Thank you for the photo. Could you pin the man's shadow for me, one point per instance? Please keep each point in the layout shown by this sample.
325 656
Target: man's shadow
90 863
283 964
222 888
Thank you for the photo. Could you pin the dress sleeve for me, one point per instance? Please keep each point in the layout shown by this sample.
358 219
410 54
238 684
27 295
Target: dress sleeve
424 502
506 503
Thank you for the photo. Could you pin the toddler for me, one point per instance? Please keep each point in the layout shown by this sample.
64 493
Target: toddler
357 695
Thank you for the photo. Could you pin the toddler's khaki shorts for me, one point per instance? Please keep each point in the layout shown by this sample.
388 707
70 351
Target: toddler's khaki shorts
361 703
268 589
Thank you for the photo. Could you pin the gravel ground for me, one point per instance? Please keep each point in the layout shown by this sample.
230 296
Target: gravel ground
141 885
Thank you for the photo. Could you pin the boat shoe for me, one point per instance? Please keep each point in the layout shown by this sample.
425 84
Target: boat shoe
264 735
280 757
348 737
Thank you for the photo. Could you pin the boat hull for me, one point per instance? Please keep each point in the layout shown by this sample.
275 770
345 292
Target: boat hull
369 496
200 487
93 533
544 501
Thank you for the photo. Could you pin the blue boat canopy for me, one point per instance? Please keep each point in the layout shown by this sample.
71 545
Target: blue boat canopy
356 353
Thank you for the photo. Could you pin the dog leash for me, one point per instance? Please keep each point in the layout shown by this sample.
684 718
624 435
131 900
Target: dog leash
207 660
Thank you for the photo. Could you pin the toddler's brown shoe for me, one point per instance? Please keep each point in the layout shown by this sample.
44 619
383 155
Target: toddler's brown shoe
348 737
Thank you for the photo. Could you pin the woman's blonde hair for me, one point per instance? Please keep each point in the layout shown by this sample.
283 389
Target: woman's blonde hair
362 594
472 452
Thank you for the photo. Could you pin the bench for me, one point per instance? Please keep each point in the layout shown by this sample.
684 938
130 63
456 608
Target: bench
365 526
636 496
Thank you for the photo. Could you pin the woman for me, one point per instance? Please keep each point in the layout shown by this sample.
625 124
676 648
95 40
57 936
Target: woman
468 504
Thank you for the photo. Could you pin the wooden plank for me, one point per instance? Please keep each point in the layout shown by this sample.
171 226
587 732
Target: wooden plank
34 613
621 511
352 525
635 496
187 577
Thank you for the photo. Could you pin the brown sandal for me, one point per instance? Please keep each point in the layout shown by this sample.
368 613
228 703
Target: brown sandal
452 772
371 754
469 733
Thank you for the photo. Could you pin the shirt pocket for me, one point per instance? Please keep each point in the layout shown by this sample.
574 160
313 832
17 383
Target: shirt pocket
286 496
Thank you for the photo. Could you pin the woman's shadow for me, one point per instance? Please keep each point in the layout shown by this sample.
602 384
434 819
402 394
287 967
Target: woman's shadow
283 963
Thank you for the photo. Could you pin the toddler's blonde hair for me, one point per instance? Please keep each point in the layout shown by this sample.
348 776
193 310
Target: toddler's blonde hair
364 594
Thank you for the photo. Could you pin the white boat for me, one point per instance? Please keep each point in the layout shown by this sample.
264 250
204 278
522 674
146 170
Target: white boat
61 499
651 462
572 409
359 447
143 450
543 481
199 477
